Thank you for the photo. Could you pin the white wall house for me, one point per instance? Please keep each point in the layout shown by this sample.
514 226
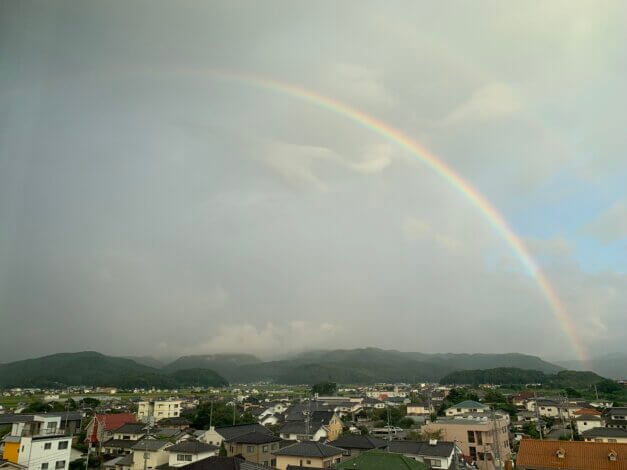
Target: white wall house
45 452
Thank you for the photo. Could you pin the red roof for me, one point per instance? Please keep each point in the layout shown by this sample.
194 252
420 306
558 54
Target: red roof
110 422
571 455
588 411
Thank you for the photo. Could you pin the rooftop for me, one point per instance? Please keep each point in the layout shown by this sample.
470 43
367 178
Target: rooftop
439 449
378 460
572 455
356 441
310 449
192 447
254 437
605 432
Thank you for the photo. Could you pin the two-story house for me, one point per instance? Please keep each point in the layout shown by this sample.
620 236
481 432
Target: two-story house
255 447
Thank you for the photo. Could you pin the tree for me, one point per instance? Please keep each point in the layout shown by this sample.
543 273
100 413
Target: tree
428 435
363 430
218 414
530 429
222 451
572 393
324 388
608 386
37 406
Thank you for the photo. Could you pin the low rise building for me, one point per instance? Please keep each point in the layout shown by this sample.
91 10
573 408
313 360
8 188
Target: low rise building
467 406
216 435
601 434
355 444
377 460
587 422
436 454
308 454
158 409
255 447
481 438
152 451
187 452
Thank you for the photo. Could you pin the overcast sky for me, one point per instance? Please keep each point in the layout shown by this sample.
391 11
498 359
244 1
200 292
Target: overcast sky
148 208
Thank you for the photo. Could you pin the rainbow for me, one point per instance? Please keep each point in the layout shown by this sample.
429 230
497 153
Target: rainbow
496 220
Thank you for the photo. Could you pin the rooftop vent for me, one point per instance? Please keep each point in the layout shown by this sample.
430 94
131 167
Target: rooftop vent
612 455
433 442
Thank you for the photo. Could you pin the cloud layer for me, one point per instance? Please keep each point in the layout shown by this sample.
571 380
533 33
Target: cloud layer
148 208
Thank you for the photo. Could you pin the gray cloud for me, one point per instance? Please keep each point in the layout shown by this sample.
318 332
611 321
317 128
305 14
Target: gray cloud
148 208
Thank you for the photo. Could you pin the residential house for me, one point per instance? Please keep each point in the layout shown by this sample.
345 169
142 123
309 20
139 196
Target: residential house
535 454
418 409
130 431
153 451
467 406
215 435
186 452
223 463
587 422
481 438
377 460
434 453
322 425
548 408
308 454
355 444
605 435
521 398
616 417
158 409
101 426
255 447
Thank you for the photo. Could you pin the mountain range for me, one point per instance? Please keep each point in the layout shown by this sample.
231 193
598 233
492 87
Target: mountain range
609 365
357 366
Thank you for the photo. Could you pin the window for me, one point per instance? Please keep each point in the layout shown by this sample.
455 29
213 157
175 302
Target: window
146 455
273 463
471 437
264 449
479 438
60 464
184 457
308 461
47 445
62 445
473 452
250 449
265 463
275 447
44 466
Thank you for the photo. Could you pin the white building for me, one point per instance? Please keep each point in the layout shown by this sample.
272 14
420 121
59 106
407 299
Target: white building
467 406
187 452
158 409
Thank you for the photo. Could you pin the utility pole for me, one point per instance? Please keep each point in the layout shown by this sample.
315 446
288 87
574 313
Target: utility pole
596 392
537 410
211 414
389 428
146 443
234 413
497 457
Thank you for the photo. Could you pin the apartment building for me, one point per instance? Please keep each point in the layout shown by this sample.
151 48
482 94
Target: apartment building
158 409
38 444
479 437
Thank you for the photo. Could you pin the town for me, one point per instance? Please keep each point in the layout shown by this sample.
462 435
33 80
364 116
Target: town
324 425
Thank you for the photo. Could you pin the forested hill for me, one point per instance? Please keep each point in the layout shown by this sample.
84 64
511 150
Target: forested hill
516 376
95 369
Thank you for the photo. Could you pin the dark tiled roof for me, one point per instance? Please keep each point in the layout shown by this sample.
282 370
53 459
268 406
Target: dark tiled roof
127 460
119 443
605 432
297 427
309 449
254 437
224 463
298 467
229 432
192 447
131 428
150 444
355 441
440 449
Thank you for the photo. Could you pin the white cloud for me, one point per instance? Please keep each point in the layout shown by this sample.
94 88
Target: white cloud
492 101
611 224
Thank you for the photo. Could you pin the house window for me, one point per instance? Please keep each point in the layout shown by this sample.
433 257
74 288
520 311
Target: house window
44 466
308 462
479 438
275 447
273 463
62 445
473 452
250 449
59 464
184 457
471 437
47 445
264 449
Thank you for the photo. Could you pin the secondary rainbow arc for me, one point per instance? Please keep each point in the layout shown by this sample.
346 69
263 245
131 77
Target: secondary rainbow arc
493 216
